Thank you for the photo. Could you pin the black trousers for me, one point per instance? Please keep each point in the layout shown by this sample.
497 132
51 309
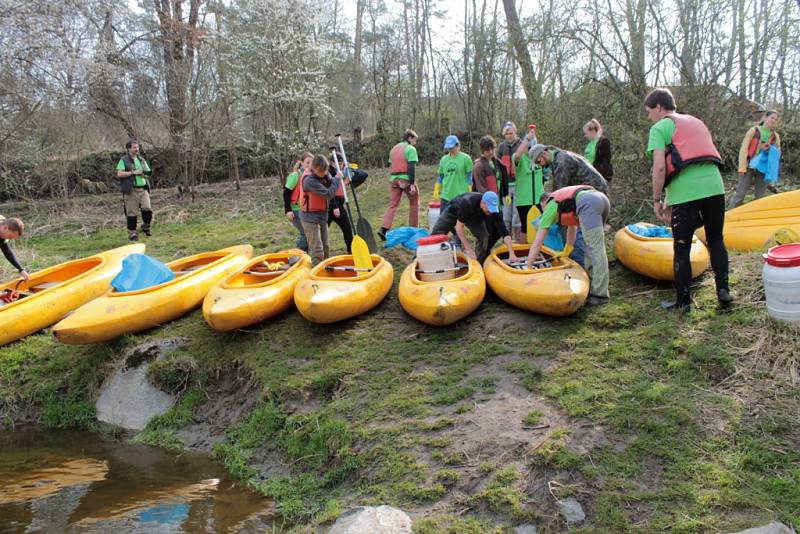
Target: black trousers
485 236
708 212
345 225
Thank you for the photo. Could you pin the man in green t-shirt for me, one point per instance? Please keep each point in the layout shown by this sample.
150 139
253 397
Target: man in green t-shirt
403 160
132 170
695 196
455 173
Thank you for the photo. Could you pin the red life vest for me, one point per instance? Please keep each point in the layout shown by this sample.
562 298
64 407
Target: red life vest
490 174
311 201
297 192
398 164
505 151
755 142
567 208
340 190
691 143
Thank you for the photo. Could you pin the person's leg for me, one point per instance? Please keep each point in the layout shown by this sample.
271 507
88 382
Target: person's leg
759 183
446 222
443 205
522 213
741 189
395 194
314 237
323 235
484 240
509 209
147 211
592 210
685 220
346 226
302 242
413 208
713 212
131 204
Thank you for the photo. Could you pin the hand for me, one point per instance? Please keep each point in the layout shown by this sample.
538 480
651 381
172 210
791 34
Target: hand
137 172
662 211
512 258
24 275
402 184
412 189
290 215
564 253
507 200
336 212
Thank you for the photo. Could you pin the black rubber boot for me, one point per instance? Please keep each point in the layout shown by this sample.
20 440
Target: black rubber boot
147 216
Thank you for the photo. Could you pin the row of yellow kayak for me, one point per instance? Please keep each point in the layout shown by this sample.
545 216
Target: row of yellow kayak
236 291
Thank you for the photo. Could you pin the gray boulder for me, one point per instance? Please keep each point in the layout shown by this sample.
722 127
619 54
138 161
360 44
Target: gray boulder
373 520
571 510
771 528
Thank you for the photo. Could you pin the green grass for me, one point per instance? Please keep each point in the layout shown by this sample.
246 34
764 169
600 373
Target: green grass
695 436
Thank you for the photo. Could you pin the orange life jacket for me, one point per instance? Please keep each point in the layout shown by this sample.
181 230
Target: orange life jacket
311 201
691 143
398 164
297 192
567 208
755 142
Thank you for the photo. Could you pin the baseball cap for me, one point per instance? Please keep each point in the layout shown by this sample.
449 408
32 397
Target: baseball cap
492 202
450 142
535 152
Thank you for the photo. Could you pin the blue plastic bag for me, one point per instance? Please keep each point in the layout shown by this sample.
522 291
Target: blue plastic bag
767 163
553 239
650 231
140 271
406 236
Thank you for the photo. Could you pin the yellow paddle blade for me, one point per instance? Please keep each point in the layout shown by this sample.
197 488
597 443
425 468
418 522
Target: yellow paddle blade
533 214
361 257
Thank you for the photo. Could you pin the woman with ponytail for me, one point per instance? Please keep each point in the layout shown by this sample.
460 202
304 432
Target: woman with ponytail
598 151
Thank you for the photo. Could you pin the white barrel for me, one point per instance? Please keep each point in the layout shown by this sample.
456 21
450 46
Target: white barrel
781 276
433 213
434 253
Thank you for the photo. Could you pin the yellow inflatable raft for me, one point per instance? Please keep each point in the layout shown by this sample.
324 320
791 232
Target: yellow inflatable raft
118 313
557 290
263 289
757 225
335 290
53 292
443 302
652 256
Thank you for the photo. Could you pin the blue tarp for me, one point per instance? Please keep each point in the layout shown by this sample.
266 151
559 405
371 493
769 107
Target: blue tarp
553 239
768 163
406 236
140 271
650 231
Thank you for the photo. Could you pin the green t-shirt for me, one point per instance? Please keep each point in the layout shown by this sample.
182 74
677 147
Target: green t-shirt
523 195
765 134
550 213
454 174
291 183
591 151
698 180
138 180
410 153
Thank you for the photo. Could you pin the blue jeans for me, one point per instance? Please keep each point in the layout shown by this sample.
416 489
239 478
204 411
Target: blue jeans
302 242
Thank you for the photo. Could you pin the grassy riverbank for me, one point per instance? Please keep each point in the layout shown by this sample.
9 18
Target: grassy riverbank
652 422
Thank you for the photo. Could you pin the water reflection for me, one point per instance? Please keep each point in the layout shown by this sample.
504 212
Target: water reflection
75 482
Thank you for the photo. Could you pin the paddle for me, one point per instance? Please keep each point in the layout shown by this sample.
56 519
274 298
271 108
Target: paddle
274 268
533 214
363 228
359 248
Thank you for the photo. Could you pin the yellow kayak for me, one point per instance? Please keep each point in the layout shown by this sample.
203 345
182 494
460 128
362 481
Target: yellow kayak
557 290
755 225
118 313
653 256
262 289
443 302
335 291
53 292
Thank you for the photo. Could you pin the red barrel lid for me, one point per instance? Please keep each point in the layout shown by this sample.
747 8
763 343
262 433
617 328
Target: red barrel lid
784 255
434 239
434 204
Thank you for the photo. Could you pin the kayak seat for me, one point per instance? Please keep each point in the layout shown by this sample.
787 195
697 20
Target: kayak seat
42 286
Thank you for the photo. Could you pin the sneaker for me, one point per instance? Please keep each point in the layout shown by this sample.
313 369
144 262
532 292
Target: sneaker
724 297
132 236
593 301
675 306
773 189
382 234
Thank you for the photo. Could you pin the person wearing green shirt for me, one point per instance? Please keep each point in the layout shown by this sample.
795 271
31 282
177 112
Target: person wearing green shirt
455 173
403 160
132 171
585 207
695 197
759 137
530 180
291 198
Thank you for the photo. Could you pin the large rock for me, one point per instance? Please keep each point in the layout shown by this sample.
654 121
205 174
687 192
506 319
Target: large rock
127 399
373 520
571 510
771 528
525 529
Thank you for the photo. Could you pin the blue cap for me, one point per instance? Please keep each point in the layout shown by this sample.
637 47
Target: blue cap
450 142
492 202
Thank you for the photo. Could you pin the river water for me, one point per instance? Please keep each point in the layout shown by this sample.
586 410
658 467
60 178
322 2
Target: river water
75 482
